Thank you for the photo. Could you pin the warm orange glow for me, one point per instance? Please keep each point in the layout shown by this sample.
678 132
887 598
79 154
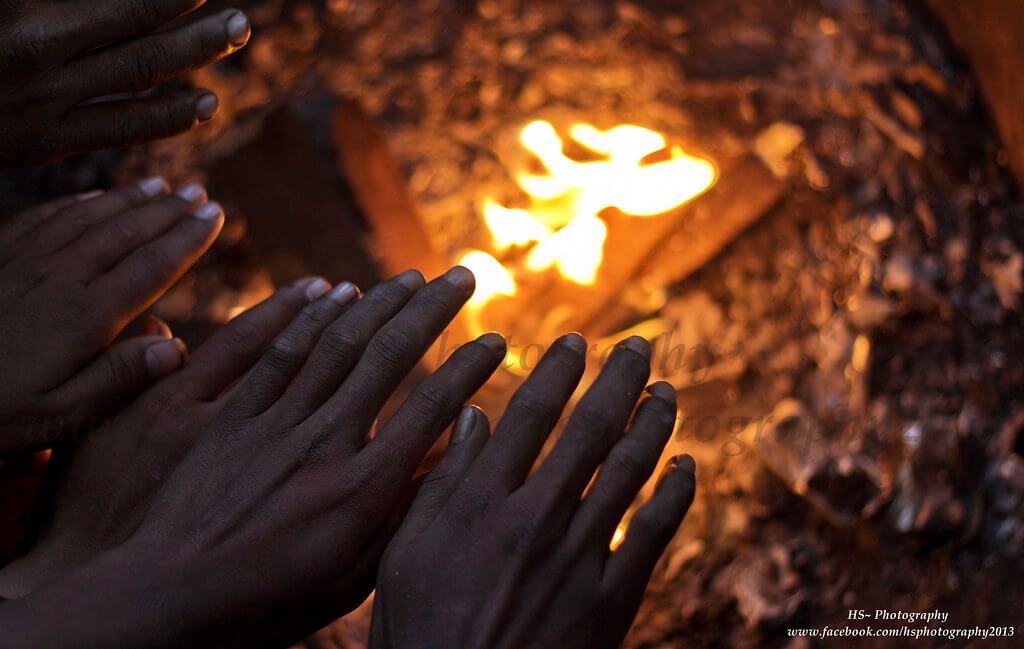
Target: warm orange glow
512 227
576 250
618 537
492 279
563 223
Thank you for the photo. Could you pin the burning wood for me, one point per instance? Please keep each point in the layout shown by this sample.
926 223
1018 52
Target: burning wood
591 220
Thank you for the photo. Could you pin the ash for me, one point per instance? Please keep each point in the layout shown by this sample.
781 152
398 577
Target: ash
858 431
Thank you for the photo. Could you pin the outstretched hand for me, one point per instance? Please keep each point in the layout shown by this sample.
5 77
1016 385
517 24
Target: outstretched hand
58 58
282 509
491 557
98 491
73 274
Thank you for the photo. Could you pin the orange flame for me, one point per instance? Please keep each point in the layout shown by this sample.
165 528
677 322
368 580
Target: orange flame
562 223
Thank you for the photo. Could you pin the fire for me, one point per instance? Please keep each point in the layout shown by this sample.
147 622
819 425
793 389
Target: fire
562 227
492 278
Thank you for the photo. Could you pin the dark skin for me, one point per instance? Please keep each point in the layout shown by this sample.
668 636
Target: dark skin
284 501
73 274
102 487
58 58
492 557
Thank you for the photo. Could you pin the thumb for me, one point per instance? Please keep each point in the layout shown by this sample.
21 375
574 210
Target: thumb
121 372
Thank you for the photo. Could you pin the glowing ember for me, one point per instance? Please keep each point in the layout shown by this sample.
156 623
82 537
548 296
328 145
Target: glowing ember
562 223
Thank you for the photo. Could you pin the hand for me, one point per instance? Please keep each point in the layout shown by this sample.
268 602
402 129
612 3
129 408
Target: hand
489 557
99 490
58 58
277 517
73 273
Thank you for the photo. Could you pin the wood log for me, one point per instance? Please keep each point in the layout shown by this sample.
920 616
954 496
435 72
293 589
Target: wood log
297 208
399 240
656 251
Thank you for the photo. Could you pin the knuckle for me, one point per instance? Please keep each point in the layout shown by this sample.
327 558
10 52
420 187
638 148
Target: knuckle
144 64
285 352
651 524
533 405
124 230
123 125
309 449
239 335
28 42
392 346
340 341
313 318
170 118
123 373
385 296
431 400
140 14
520 530
440 298
592 417
625 461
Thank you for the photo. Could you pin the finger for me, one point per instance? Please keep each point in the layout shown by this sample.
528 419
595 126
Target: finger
120 373
594 427
72 221
469 435
154 326
105 245
143 63
629 568
342 344
236 347
288 352
138 280
627 468
87 25
531 415
17 228
121 124
396 348
402 443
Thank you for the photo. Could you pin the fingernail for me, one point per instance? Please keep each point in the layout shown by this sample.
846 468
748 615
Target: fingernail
575 342
344 293
154 186
164 357
663 390
495 342
154 326
85 196
208 211
464 426
238 29
192 192
639 345
684 462
460 277
206 106
316 288
411 279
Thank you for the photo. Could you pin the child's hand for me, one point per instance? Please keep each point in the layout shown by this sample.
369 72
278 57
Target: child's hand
490 557
57 57
73 273
284 504
99 490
